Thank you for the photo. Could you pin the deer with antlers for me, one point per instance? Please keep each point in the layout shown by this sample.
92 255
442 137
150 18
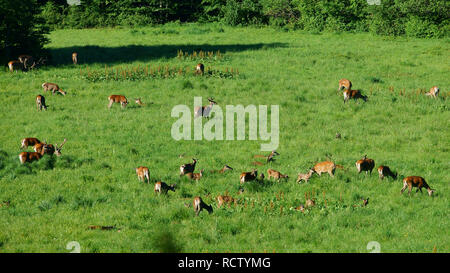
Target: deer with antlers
204 110
49 148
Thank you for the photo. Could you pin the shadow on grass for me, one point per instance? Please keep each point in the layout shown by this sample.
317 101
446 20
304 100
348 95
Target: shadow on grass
131 53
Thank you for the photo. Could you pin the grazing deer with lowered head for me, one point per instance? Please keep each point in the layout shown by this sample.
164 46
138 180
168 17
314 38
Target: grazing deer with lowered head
40 103
434 92
49 148
221 199
52 87
195 176
200 69
365 164
204 110
138 101
75 58
353 94
117 99
305 176
161 187
384 171
199 205
248 176
143 174
188 167
276 174
29 141
418 182
15 65
325 167
344 84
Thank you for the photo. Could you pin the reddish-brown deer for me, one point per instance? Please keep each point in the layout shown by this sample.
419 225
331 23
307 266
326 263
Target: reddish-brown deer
143 174
248 176
325 167
200 69
384 171
204 110
15 66
161 187
49 148
434 92
418 182
32 156
353 94
117 99
275 174
365 164
199 205
40 103
29 141
48 86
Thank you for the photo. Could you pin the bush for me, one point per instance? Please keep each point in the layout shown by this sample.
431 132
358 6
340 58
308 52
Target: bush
416 27
245 12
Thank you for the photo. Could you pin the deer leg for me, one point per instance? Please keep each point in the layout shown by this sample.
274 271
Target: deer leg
110 103
404 188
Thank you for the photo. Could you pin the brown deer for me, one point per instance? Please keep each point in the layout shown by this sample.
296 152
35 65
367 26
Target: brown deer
161 187
325 167
275 174
305 176
365 164
138 101
48 86
384 171
434 92
271 155
29 141
49 148
117 99
199 205
221 199
32 156
248 176
223 170
418 182
353 94
40 103
195 176
15 65
200 69
27 61
188 167
75 58
143 174
204 110
309 202
344 83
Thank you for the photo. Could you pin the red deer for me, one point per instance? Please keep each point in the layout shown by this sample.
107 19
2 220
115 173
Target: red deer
344 83
188 167
365 164
143 174
48 86
384 171
15 65
248 176
32 156
221 199
204 110
325 167
305 176
161 187
117 99
434 92
75 58
29 141
199 205
275 174
40 102
353 94
418 182
49 148
27 61
200 69
195 176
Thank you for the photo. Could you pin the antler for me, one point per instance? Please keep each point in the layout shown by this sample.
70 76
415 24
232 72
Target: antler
60 146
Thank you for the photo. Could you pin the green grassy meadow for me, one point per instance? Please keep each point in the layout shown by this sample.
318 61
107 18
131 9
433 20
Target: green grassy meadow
54 200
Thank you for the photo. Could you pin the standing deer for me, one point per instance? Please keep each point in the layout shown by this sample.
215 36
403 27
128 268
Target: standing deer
143 174
29 141
353 94
305 176
275 174
188 167
325 167
15 65
365 164
200 69
195 176
418 182
344 83
52 87
384 171
204 110
31 156
199 205
27 61
434 92
75 58
49 148
40 102
117 99
161 187
248 176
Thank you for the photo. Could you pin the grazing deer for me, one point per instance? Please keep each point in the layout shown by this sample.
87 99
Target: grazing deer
248 176
305 176
344 83
117 99
27 61
434 92
40 102
75 58
204 110
32 156
221 199
199 205
418 182
257 163
138 101
15 65
224 169
143 174
161 187
384 171
188 167
365 164
275 174
195 176
29 141
353 94
49 148
200 69
271 155
52 87
325 167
